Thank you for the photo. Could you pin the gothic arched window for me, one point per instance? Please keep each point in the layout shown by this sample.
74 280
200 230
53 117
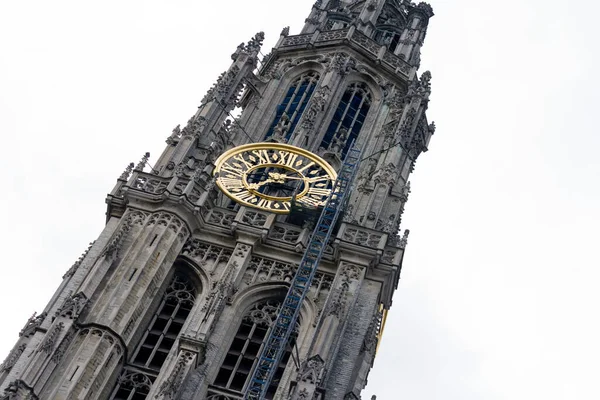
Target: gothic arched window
242 357
389 38
291 108
136 379
348 119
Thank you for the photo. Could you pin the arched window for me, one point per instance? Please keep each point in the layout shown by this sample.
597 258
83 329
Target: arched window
148 358
242 357
389 38
291 108
348 119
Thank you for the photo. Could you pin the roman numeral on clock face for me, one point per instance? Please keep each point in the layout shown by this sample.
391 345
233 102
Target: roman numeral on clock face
246 196
318 192
231 183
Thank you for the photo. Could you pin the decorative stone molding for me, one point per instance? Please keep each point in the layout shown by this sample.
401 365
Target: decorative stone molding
285 233
18 390
205 254
51 338
33 323
127 173
12 358
140 166
73 306
62 347
170 387
220 217
362 237
77 263
312 370
386 175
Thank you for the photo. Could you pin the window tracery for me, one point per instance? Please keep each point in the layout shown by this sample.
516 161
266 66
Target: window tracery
242 357
347 120
291 108
177 302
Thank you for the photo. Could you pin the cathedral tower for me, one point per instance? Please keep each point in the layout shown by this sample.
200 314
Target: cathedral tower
176 297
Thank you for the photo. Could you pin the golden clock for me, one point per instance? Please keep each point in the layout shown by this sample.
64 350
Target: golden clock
268 175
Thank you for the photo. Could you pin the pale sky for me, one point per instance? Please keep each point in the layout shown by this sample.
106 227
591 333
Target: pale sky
498 297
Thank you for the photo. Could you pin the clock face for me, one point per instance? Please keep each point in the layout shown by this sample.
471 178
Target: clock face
268 175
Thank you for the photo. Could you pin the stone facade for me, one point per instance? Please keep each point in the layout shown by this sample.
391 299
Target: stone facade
156 304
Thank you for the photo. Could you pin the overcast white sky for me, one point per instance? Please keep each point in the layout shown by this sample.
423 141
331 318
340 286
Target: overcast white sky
498 297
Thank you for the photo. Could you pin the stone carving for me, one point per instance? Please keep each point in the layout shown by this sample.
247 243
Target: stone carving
317 105
175 135
339 141
34 322
362 237
407 126
221 217
263 269
281 129
312 370
296 40
135 381
288 234
386 175
365 42
77 263
254 218
303 394
221 290
169 388
18 390
50 340
12 358
127 173
117 242
389 255
351 272
180 170
203 253
285 31
62 347
342 63
404 240
263 314
140 166
73 306
388 227
337 34
370 341
426 8
337 305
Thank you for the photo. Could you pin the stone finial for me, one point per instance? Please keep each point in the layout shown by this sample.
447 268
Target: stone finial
176 134
404 240
432 127
127 173
426 8
254 45
143 162
285 31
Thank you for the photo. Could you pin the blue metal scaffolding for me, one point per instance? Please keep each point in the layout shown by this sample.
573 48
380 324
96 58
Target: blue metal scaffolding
276 342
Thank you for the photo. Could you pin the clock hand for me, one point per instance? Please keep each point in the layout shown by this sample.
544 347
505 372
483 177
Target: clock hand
255 186
310 180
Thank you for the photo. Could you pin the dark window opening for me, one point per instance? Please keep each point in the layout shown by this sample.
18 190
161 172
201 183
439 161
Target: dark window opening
347 120
388 38
291 108
242 357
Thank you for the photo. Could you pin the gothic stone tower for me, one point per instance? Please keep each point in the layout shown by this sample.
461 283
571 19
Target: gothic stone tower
176 296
